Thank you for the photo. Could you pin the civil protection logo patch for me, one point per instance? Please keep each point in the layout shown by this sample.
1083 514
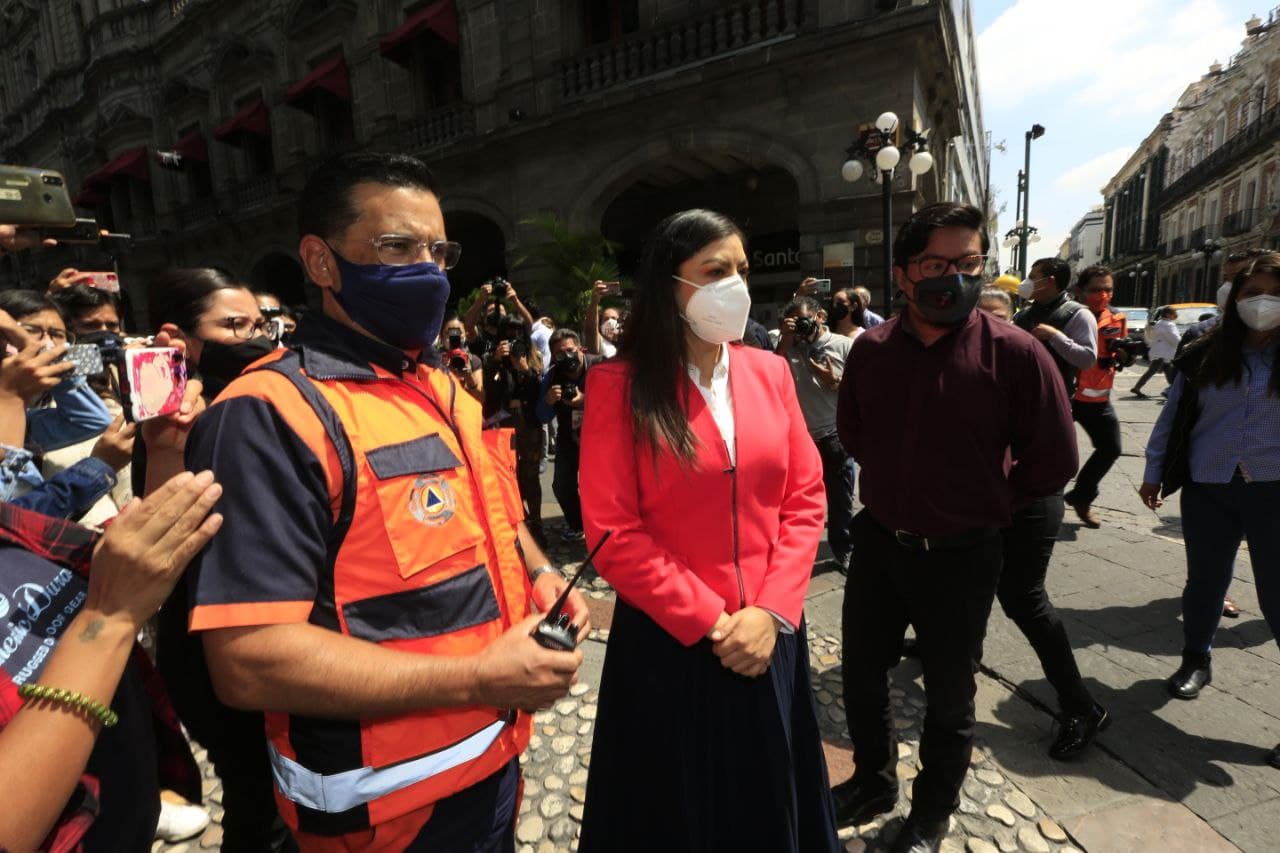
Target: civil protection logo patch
432 500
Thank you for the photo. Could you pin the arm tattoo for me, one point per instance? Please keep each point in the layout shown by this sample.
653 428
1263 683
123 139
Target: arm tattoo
91 631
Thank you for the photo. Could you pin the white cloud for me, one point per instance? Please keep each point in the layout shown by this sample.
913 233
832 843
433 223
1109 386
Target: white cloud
1090 176
1127 55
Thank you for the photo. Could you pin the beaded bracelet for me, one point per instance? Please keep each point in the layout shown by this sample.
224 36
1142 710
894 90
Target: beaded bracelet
76 701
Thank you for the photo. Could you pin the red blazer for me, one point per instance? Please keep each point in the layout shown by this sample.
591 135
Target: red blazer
672 550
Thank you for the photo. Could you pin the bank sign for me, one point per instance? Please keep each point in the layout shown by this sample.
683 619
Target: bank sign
777 252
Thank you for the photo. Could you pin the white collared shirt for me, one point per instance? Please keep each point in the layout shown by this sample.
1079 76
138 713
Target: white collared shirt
719 400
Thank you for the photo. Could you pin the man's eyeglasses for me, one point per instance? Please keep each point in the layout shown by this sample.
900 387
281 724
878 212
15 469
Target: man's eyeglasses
932 265
244 328
397 250
58 336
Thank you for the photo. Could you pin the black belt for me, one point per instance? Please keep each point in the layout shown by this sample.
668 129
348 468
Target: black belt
916 542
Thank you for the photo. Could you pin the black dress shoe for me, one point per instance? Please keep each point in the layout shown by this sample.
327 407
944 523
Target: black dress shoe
856 804
1273 757
1194 674
919 837
1078 731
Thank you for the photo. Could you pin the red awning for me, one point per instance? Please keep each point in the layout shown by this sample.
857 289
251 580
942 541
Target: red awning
328 77
440 18
130 164
192 146
251 119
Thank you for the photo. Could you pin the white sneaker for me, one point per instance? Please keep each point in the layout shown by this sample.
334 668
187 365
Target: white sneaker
180 822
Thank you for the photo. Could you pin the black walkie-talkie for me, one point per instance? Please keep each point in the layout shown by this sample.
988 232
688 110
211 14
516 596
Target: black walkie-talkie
555 631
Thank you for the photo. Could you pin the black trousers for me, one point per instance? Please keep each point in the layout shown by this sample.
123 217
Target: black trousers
1103 428
1157 365
947 596
1028 547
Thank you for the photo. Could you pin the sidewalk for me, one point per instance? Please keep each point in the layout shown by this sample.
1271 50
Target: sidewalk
1166 776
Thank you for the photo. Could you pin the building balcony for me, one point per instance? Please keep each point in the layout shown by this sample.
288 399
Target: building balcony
437 129
120 30
255 192
199 212
1241 221
1249 140
716 33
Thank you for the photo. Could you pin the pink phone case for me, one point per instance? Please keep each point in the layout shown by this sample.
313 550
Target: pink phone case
108 281
157 380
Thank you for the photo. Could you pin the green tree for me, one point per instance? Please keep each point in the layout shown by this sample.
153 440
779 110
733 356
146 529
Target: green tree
566 264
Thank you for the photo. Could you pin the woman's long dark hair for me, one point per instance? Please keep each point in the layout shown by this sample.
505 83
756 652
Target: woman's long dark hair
655 338
182 296
1223 346
23 303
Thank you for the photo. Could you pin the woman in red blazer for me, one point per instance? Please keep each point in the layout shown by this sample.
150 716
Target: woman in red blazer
696 456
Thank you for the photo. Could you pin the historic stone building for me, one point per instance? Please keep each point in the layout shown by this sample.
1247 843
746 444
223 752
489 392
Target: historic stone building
1222 184
609 113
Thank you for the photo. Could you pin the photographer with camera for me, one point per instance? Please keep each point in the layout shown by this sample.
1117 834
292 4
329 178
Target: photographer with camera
602 327
512 386
562 397
817 358
487 312
463 365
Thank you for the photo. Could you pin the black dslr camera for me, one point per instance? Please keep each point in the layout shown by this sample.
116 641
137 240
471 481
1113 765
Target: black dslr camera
512 330
565 374
500 288
806 328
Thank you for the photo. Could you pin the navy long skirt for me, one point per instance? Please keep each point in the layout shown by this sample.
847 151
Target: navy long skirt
689 757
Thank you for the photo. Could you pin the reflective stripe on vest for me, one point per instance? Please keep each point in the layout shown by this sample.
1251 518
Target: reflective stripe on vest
339 792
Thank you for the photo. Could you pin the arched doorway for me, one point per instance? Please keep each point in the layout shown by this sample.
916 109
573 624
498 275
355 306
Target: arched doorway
484 251
762 199
280 274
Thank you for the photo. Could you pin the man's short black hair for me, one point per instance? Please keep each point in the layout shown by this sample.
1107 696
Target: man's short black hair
81 298
325 207
799 302
563 335
1056 269
913 236
1088 274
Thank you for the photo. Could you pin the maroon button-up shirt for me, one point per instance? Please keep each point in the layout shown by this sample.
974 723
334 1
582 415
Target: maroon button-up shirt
954 436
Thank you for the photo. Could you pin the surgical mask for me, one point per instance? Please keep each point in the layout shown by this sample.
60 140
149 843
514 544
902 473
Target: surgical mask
1098 300
1260 313
221 363
1026 287
403 306
947 300
1223 293
609 326
717 312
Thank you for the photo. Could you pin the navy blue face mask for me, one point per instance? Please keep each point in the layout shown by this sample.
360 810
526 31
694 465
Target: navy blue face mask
403 306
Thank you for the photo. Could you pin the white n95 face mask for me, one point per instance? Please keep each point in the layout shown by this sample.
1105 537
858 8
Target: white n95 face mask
1260 313
1223 292
717 312
1025 288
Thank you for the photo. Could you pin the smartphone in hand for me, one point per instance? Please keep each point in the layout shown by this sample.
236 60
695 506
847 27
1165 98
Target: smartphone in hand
153 381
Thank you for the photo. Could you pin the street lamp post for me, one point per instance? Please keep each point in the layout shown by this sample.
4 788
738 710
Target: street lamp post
1209 250
1035 132
1018 239
876 146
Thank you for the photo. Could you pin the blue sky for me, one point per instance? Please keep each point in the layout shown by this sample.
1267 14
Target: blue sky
1098 74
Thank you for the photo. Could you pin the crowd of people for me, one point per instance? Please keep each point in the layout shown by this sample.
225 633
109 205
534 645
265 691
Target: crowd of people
327 563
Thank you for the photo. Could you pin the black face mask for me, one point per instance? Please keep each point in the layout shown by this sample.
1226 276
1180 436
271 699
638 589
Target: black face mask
838 312
221 363
947 300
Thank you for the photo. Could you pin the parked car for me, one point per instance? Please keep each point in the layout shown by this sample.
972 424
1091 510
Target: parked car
1189 313
1137 320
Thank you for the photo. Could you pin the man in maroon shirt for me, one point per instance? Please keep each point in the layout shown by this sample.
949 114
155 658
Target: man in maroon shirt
956 418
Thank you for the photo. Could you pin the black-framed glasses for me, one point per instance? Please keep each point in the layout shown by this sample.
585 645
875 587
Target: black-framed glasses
932 265
244 328
58 336
397 250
